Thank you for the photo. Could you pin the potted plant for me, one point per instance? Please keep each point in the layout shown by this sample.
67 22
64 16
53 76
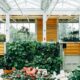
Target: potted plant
35 54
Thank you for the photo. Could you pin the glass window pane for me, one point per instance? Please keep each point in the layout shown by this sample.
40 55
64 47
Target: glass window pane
69 31
23 31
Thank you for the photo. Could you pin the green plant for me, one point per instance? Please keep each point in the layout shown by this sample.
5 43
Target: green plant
74 32
73 36
16 75
4 64
2 38
35 54
1 62
47 55
75 75
18 53
71 39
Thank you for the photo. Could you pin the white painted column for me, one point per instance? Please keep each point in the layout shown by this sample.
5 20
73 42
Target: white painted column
7 27
44 27
79 27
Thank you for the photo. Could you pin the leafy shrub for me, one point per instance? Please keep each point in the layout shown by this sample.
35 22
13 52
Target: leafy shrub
35 54
75 75
71 39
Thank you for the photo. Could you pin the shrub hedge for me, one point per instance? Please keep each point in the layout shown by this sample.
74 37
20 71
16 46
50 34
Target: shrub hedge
35 54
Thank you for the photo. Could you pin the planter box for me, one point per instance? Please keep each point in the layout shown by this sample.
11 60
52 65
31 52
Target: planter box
7 71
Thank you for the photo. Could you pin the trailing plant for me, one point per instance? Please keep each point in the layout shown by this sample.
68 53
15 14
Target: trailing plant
35 54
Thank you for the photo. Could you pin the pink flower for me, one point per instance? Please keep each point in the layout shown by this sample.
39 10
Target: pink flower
13 69
18 75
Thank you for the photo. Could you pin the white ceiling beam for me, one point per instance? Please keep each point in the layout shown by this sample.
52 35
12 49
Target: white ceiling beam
26 12
36 13
40 12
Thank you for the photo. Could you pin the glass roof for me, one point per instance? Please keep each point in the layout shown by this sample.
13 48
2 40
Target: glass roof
24 3
37 4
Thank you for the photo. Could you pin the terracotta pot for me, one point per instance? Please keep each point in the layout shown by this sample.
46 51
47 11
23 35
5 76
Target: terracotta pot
7 71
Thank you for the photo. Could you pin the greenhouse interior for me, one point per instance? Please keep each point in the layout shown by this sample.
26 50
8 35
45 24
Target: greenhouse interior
39 39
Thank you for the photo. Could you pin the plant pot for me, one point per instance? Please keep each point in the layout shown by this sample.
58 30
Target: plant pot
7 71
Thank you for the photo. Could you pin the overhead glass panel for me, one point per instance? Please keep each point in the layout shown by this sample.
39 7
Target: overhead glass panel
64 6
68 5
24 4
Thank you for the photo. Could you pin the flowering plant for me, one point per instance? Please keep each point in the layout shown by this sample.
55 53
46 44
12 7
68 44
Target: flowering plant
17 75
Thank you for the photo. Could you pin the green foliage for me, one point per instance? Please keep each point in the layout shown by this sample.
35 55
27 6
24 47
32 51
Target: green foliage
22 34
74 32
75 75
4 64
73 36
35 54
16 75
2 38
71 39
1 62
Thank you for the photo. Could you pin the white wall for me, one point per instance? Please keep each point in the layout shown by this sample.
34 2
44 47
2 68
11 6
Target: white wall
71 62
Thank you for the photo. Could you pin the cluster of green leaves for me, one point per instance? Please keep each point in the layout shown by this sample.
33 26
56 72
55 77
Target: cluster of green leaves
72 36
75 75
1 62
71 39
2 38
35 54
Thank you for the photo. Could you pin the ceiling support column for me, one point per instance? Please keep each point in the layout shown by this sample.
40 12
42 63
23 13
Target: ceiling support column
44 27
7 28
